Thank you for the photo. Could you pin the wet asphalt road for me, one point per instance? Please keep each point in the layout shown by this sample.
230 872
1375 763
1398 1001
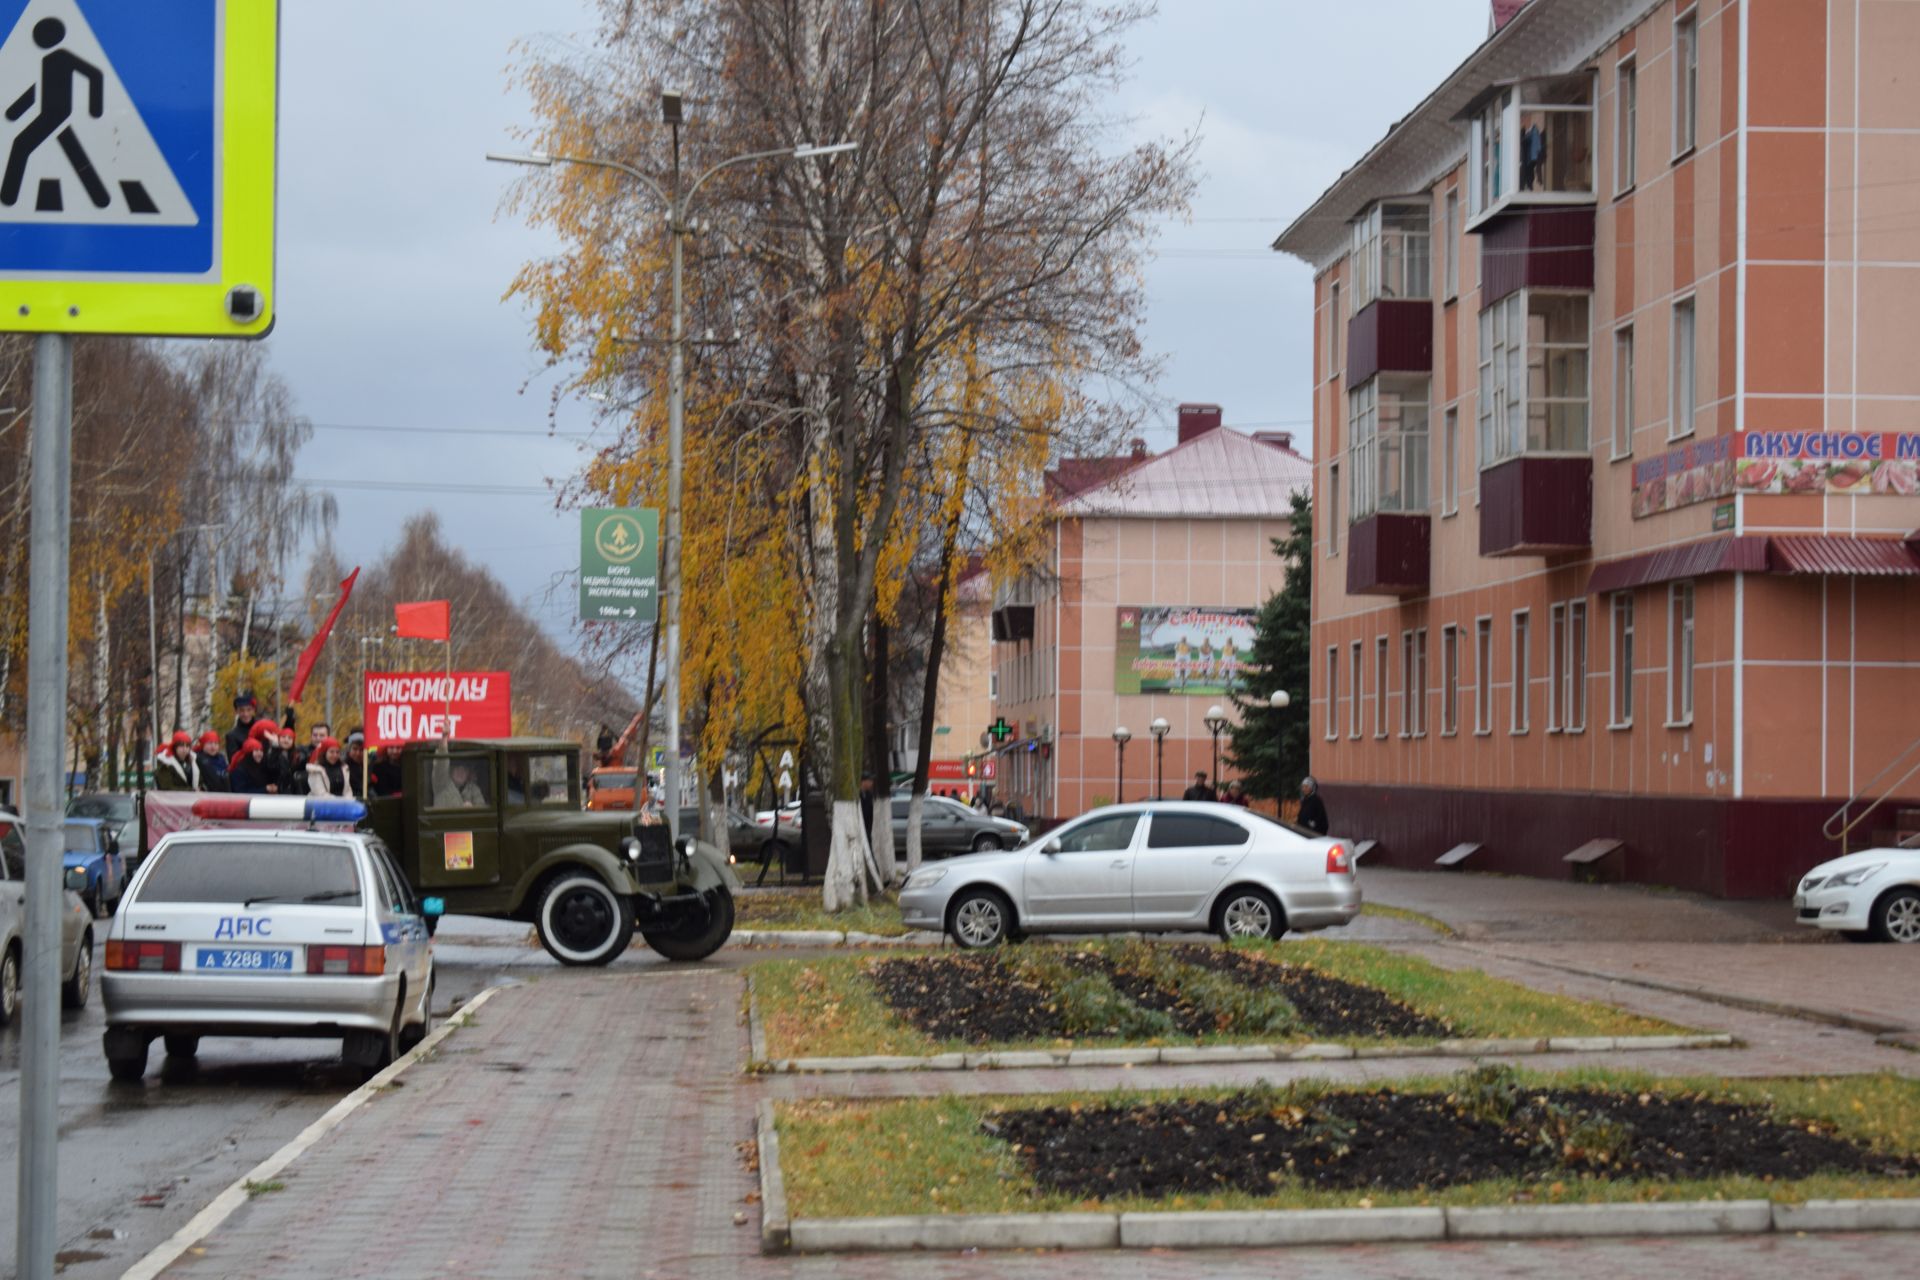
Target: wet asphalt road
136 1162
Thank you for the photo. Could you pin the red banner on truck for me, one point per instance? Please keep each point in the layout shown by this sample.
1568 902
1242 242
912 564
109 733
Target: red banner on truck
404 707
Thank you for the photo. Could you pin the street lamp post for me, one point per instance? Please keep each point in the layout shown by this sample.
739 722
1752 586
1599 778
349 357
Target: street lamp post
679 227
1159 729
1216 721
1120 738
1278 700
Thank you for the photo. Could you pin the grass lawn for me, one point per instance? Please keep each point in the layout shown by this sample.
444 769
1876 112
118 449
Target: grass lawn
931 1156
830 1006
795 909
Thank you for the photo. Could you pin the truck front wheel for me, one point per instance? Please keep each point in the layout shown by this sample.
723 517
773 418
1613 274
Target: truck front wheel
582 921
700 933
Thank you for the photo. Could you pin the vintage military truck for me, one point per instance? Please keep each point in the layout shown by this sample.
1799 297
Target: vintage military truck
494 827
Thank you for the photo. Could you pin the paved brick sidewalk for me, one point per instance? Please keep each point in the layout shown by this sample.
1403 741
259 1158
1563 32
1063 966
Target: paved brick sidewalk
589 1125
1520 908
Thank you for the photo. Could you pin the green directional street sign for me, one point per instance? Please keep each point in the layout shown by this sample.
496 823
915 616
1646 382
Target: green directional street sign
619 564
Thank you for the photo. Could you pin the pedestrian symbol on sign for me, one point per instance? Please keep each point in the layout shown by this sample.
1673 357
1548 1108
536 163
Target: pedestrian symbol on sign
79 151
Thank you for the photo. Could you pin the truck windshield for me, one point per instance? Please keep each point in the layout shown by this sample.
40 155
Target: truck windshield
81 840
242 871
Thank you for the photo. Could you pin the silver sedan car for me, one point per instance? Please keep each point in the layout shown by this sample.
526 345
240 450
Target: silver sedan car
1154 868
267 933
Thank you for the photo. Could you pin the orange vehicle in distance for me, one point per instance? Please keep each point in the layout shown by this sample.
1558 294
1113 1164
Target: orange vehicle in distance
613 787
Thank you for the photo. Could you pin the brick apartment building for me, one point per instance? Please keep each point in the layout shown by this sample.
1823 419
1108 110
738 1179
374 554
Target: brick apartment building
1156 567
1617 444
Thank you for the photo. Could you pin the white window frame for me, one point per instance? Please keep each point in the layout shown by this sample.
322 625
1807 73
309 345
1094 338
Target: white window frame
1450 283
1406 684
1620 659
993 686
1450 680
1683 380
1333 329
1356 715
1417 699
1333 693
1381 674
1333 509
1520 718
1556 657
1626 122
1506 374
1624 372
1483 675
1686 82
1573 718
1682 602
1450 464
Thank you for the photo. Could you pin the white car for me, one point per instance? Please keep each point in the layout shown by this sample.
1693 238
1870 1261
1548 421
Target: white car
1873 895
1156 868
76 926
267 932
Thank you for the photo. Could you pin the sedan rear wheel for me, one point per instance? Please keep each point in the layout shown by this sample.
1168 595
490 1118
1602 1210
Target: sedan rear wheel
985 843
980 918
9 986
74 991
1896 917
1251 913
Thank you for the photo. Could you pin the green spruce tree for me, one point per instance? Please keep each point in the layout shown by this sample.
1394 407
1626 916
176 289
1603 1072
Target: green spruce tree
1268 746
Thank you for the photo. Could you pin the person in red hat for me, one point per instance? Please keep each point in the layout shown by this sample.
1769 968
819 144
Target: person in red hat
327 771
174 768
213 762
248 773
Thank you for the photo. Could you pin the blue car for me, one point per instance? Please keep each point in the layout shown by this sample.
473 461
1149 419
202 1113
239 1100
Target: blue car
93 847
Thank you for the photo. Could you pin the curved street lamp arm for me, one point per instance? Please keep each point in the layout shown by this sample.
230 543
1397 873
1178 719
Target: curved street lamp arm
686 201
597 163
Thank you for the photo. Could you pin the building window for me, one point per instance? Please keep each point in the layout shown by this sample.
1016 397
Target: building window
1533 376
1450 465
1622 660
1333 510
1483 675
1556 656
1680 654
1380 687
1333 692
993 685
1452 283
1681 423
1573 695
1354 712
1686 82
1522 718
1387 445
1449 680
1532 143
1333 329
1406 684
1417 696
1626 118
1392 253
1623 392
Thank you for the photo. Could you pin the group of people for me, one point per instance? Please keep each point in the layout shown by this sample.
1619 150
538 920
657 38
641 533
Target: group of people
261 757
1313 810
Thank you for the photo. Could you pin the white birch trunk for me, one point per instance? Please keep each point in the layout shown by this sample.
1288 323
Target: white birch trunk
846 883
916 809
886 866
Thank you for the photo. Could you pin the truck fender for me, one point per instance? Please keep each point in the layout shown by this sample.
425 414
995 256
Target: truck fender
589 856
707 868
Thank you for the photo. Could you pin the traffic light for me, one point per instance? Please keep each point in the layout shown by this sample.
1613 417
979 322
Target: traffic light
973 770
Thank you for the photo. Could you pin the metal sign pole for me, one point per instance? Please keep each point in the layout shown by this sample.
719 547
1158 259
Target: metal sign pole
46 723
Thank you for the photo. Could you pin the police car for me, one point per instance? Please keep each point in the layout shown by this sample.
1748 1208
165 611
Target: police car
255 929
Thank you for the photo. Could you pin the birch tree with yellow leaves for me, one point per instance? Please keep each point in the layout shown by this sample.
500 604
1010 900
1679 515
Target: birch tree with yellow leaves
892 343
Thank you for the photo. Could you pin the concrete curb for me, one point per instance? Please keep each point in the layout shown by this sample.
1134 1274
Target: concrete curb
828 938
1280 1227
756 1031
202 1224
776 1229
1196 1055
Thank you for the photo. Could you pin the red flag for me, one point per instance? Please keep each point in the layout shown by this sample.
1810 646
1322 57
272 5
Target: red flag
424 620
312 654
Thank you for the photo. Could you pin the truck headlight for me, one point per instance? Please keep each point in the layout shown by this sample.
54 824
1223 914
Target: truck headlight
1847 879
925 877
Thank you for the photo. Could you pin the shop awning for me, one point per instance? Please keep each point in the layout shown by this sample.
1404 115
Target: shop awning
1856 557
1741 554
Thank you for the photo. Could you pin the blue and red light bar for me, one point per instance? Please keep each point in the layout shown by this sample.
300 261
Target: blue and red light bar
277 809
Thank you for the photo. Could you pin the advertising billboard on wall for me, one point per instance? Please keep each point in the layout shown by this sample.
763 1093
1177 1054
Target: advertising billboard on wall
1197 650
1789 462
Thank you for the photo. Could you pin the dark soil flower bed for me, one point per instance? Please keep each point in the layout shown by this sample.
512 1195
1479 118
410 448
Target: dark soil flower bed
1387 1141
995 997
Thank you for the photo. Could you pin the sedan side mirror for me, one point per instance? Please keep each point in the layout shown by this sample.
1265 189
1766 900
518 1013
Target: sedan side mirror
1051 846
77 879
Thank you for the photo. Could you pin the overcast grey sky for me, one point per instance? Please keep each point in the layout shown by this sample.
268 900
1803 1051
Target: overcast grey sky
392 259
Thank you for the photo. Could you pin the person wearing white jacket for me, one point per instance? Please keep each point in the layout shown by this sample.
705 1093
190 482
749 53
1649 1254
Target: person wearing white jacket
327 772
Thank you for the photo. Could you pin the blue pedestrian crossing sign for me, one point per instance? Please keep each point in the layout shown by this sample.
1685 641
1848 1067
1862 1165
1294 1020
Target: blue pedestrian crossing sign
137 166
